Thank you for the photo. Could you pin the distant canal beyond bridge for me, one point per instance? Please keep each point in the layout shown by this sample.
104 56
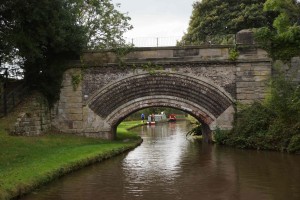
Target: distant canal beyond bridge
169 166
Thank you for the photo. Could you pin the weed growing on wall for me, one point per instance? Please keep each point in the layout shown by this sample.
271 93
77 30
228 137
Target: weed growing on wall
151 68
121 53
233 54
76 79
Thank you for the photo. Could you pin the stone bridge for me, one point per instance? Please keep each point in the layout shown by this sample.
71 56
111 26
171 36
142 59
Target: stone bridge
102 89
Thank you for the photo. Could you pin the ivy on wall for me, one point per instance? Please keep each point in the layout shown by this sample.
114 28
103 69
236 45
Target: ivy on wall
76 79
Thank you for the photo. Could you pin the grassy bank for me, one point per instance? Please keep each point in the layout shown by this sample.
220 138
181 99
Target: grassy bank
28 162
127 125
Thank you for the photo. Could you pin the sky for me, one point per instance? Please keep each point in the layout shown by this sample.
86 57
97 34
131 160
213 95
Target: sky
157 18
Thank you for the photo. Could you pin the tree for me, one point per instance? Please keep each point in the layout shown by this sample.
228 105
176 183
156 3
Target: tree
282 40
104 24
45 34
219 17
6 24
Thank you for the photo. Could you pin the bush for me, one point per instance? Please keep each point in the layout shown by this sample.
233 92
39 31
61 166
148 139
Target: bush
220 136
252 119
270 125
294 145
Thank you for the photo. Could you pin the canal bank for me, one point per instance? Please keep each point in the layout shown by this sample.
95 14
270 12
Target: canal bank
29 162
168 166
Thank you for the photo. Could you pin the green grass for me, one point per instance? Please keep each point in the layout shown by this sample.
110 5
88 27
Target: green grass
28 162
123 126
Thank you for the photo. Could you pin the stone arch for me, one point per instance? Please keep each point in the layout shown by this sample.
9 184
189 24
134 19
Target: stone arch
196 95
160 101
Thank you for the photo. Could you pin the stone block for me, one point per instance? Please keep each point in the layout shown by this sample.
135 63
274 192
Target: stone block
210 52
225 52
252 96
261 78
71 93
259 67
241 96
71 105
75 117
224 121
262 73
89 130
246 78
246 101
262 53
63 126
244 66
78 125
245 90
77 99
146 54
45 127
185 52
245 73
245 37
73 110
165 53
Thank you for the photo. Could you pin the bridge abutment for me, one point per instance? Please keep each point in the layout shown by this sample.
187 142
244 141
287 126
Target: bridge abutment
206 133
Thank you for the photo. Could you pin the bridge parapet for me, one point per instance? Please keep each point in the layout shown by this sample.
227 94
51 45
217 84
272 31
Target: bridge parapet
162 55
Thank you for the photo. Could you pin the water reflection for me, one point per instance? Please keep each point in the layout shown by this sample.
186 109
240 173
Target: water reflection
168 166
160 164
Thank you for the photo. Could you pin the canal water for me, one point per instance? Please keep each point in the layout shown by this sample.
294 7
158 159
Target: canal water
169 166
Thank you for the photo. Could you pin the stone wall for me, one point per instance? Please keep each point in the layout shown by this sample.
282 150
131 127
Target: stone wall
221 74
67 114
34 118
251 81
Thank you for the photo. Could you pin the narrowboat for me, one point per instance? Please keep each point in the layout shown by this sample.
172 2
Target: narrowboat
172 118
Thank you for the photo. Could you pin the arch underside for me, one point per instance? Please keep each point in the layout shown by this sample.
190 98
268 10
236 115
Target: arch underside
194 95
160 101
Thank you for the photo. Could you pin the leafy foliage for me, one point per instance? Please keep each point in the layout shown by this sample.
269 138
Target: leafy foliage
219 17
197 130
294 145
233 54
104 24
76 79
46 34
282 40
220 136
